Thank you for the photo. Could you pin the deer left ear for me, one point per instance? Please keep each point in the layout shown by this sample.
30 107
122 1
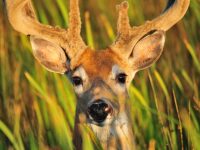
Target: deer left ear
147 50
50 55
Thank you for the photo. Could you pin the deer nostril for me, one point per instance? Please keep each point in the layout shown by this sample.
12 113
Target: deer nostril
99 110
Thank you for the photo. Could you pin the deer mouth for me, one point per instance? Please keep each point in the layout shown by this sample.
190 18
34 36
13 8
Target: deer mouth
100 112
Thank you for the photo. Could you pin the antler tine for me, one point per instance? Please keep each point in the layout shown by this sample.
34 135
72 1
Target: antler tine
23 19
123 30
126 39
74 30
123 26
74 20
174 11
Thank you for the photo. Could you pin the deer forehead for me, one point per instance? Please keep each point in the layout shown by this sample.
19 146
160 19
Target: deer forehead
99 64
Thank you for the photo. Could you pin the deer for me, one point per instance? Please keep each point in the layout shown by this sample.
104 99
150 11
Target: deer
100 78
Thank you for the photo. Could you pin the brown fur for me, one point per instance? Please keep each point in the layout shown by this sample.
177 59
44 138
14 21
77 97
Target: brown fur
99 63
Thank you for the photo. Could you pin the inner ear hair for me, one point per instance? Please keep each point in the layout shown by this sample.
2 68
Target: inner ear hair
147 50
49 55
147 34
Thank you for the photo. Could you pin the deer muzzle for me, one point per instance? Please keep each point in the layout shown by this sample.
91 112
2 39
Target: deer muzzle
99 110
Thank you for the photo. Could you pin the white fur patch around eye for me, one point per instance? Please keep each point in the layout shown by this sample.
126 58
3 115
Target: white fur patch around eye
116 86
115 71
80 72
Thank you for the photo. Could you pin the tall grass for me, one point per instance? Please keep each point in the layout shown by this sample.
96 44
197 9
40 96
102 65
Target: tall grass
37 108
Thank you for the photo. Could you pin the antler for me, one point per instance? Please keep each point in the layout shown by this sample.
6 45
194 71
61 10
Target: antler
128 36
23 19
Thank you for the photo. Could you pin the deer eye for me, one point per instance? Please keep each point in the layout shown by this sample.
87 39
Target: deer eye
77 81
121 78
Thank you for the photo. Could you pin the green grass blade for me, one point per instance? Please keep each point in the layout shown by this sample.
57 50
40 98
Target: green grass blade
193 55
9 135
88 29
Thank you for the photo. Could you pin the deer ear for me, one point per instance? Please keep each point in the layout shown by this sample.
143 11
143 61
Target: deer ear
50 55
148 50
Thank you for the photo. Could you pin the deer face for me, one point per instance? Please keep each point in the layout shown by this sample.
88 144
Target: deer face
100 78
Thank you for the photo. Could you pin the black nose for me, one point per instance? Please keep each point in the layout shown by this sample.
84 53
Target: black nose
99 110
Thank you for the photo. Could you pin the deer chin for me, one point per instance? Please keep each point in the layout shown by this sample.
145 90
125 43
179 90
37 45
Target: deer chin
118 130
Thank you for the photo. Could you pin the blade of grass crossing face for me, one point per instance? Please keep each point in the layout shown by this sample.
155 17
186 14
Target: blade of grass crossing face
87 143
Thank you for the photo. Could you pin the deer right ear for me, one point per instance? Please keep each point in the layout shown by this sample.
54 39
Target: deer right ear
50 55
148 50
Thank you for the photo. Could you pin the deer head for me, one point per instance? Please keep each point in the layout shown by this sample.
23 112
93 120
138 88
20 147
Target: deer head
100 78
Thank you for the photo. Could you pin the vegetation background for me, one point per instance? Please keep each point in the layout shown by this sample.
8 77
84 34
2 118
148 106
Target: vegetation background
37 107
